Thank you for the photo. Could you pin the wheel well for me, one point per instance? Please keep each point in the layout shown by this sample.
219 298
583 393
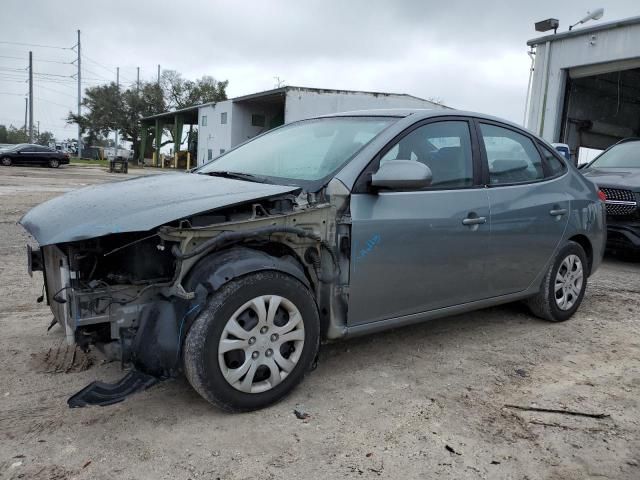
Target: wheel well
274 249
279 250
584 242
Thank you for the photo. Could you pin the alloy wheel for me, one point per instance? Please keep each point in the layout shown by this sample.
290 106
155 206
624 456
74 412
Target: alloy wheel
54 163
261 343
6 161
569 280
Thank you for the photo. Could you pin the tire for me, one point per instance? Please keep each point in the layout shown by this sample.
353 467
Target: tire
54 163
546 303
208 371
6 161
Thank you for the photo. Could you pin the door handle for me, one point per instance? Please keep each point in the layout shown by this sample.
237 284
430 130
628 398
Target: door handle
474 220
557 212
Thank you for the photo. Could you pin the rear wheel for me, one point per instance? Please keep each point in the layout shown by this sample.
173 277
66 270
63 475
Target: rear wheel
5 161
54 163
563 286
254 342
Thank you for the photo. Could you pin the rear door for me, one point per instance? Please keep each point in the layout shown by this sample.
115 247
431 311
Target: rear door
47 154
43 154
420 250
529 206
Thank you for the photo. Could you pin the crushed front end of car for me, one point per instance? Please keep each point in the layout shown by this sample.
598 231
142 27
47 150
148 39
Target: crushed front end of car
130 290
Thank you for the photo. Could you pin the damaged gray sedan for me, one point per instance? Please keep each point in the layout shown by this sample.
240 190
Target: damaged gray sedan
317 230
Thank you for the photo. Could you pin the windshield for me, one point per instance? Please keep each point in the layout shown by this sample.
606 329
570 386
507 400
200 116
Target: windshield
623 155
304 151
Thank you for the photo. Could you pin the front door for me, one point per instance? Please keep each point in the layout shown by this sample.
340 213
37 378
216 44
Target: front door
415 251
27 155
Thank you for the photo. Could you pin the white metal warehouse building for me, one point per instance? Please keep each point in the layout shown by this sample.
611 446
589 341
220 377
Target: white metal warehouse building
226 124
585 86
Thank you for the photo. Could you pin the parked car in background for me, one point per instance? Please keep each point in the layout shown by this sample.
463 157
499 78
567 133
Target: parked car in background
320 229
616 171
29 154
564 150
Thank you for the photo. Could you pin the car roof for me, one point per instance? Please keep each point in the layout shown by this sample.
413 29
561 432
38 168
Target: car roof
421 113
629 139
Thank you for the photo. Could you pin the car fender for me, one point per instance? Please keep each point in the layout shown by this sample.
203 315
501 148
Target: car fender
218 268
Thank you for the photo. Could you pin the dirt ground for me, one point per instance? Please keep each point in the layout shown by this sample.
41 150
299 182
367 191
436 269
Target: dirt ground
417 402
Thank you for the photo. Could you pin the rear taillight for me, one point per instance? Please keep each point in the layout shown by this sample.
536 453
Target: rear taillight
602 196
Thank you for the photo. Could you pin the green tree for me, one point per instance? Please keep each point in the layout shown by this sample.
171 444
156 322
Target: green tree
181 93
104 112
137 104
45 138
13 135
108 108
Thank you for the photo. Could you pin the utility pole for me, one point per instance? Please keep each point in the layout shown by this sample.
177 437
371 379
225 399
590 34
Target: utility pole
138 80
38 135
30 97
26 112
158 74
79 99
118 89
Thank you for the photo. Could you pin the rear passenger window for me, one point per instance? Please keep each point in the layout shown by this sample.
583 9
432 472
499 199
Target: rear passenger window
512 157
554 164
444 147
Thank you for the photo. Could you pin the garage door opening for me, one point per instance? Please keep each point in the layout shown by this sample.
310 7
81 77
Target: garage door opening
600 108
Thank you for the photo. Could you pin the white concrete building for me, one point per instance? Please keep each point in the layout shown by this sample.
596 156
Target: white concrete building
226 124
585 86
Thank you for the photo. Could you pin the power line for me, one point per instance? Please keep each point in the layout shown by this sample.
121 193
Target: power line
35 45
52 75
56 91
111 70
13 94
37 60
94 73
52 102
8 76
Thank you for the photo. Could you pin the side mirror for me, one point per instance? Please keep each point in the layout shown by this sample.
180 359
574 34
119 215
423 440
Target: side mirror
402 175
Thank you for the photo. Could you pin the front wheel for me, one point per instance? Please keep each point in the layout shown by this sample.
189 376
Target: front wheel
563 286
6 161
254 342
54 163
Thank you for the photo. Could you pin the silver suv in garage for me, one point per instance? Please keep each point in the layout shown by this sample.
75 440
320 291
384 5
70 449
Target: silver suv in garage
318 230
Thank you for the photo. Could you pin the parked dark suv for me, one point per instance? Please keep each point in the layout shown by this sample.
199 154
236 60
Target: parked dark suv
617 172
27 154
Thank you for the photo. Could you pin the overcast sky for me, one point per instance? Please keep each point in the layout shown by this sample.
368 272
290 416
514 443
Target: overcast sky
469 54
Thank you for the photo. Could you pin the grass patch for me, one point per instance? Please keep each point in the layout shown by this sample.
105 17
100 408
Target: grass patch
86 161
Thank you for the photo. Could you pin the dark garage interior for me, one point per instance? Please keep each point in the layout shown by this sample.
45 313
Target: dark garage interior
599 110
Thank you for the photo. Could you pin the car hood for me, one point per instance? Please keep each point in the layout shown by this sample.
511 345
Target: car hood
627 178
139 204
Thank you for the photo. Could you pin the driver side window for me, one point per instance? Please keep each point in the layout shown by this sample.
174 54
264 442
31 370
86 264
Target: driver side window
444 147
